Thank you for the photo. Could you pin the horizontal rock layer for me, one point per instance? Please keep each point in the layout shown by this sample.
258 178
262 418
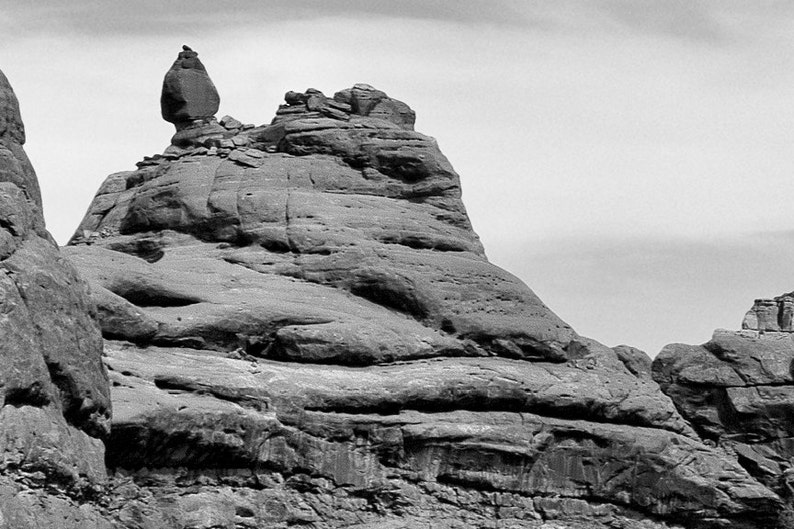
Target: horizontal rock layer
771 314
302 328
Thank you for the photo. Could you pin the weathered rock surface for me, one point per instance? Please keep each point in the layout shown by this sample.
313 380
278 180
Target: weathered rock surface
302 329
737 390
188 92
774 314
53 387
357 208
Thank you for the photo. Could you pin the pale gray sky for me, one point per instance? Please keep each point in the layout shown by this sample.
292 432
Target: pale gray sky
629 160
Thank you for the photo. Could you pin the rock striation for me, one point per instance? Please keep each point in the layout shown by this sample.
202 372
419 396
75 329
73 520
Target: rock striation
54 390
302 328
774 314
737 390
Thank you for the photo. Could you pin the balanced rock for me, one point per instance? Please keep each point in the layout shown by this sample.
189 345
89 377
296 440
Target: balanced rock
188 92
54 394
302 328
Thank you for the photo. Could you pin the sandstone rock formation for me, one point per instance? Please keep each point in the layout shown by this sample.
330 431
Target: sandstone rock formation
53 387
737 390
302 328
188 92
771 314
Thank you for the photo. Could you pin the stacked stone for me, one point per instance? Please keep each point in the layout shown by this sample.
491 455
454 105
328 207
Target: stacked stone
771 315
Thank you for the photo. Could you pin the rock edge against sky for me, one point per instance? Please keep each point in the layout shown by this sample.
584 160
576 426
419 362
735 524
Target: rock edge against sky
301 328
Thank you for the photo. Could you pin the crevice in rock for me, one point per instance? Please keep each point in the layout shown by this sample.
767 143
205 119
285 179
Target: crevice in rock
151 298
9 227
477 402
176 383
419 243
33 395
68 391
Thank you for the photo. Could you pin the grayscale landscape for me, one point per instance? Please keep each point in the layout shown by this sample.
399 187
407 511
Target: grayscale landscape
309 317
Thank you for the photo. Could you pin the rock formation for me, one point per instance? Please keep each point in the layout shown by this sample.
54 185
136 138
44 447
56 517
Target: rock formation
53 387
188 93
737 390
771 314
302 328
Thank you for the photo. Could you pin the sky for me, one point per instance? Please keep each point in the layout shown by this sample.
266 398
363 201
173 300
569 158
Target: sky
630 160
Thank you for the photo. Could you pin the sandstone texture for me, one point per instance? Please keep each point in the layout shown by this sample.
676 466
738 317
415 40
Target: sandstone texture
774 314
737 390
188 92
302 329
54 388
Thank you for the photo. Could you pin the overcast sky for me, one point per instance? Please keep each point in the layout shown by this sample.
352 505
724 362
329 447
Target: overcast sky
630 160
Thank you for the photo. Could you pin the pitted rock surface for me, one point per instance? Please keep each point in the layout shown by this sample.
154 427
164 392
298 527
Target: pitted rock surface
54 388
302 328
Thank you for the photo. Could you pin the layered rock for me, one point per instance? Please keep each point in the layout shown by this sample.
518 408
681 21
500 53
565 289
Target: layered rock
737 390
774 314
54 388
302 328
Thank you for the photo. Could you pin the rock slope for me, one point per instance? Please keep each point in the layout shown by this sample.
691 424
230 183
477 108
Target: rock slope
302 328
54 391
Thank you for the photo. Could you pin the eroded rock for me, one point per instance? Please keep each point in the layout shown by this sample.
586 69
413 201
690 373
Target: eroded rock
737 390
302 328
53 386
188 92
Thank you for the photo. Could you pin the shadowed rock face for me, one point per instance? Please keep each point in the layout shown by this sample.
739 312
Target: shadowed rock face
302 328
53 386
188 93
737 390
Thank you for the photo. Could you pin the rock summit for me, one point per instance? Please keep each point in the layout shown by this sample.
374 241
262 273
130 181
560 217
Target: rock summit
301 328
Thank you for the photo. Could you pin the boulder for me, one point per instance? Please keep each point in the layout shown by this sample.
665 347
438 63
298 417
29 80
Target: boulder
188 92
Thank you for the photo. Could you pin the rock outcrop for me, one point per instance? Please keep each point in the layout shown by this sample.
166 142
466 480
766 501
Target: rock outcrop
737 390
54 388
302 328
774 314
